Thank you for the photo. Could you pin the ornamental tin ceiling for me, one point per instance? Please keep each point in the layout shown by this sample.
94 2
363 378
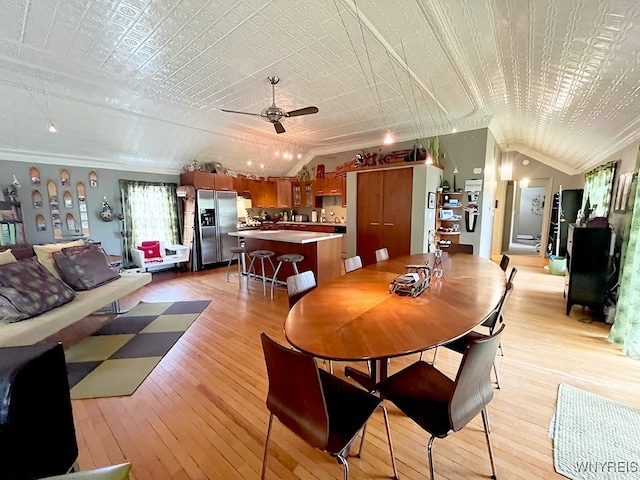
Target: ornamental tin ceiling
139 84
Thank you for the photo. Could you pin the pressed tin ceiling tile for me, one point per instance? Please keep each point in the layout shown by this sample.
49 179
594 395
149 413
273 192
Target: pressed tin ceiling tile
558 79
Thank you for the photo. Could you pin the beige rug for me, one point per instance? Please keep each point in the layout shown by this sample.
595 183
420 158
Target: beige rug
116 359
594 438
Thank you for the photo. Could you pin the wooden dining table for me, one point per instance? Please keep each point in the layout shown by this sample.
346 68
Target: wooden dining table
356 318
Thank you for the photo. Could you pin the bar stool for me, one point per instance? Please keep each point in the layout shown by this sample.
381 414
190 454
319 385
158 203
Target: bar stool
240 252
292 258
261 254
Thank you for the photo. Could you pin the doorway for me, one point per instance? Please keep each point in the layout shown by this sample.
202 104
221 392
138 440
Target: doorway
526 217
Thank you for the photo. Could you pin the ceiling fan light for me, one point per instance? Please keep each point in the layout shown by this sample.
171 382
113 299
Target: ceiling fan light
388 139
51 128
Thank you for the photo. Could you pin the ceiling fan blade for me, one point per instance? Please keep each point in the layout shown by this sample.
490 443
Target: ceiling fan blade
243 113
279 127
301 111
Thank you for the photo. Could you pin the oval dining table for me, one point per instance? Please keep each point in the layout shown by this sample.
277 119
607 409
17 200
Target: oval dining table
356 318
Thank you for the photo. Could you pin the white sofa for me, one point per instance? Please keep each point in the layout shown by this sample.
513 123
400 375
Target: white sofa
32 330
181 255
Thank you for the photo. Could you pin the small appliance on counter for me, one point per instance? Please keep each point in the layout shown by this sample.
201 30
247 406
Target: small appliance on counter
314 216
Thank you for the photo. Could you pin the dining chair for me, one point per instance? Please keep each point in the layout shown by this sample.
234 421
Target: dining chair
353 263
382 254
504 262
442 406
460 248
494 319
299 285
322 409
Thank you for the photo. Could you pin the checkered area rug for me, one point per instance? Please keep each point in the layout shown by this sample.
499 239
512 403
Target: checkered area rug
594 438
116 359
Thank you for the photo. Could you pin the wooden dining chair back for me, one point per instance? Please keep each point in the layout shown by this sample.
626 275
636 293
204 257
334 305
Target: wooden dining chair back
382 254
504 262
353 263
440 405
299 285
322 409
460 248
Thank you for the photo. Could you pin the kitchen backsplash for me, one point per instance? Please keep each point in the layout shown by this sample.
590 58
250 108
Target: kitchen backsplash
339 213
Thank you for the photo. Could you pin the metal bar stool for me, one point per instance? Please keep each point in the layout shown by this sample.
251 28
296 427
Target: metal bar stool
261 254
293 259
240 252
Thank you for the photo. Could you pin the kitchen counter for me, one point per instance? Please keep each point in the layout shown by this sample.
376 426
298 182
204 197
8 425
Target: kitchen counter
322 252
287 236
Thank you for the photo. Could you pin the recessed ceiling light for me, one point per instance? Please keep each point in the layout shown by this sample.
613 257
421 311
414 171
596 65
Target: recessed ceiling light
299 156
276 153
525 161
52 128
249 163
454 130
261 165
388 139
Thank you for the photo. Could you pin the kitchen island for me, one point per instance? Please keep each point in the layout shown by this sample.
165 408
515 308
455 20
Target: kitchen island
321 251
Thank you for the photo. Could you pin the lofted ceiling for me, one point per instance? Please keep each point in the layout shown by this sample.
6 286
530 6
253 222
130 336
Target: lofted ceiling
140 84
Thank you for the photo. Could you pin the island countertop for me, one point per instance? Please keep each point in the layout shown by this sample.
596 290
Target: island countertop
287 236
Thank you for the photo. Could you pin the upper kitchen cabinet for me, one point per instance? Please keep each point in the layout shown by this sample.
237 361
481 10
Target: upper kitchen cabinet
199 180
384 212
283 194
208 181
328 186
268 193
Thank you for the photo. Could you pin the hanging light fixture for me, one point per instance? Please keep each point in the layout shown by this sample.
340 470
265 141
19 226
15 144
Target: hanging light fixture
51 128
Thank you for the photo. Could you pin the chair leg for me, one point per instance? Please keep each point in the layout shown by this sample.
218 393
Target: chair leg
264 278
386 424
275 277
495 369
500 348
430 455
364 430
435 356
485 420
266 447
229 266
345 466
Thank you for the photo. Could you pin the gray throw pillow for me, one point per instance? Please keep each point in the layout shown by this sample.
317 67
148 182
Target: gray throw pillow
31 288
85 267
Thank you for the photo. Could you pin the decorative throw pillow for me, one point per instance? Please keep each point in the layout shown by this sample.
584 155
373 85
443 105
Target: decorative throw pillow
31 288
85 267
8 312
45 254
151 249
7 257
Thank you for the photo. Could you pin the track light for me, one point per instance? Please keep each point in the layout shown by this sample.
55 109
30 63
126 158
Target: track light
52 128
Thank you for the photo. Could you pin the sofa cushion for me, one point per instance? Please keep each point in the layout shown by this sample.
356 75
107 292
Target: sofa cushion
84 267
45 254
20 250
7 257
32 289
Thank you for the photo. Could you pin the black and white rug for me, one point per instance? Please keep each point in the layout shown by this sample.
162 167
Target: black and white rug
116 359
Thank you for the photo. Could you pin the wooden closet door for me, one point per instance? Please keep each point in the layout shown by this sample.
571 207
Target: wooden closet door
396 215
369 212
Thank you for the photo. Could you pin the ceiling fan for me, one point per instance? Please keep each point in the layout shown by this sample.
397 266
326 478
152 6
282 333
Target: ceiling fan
274 113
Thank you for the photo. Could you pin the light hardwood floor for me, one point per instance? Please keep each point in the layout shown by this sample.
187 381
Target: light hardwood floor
201 413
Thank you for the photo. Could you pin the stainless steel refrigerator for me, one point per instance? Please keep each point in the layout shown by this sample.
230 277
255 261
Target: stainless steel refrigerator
217 216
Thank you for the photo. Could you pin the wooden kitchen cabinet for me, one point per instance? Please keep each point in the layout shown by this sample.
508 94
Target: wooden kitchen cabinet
283 194
223 182
199 180
384 213
268 192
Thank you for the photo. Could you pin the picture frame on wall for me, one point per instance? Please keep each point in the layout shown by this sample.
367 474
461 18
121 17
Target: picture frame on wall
431 202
